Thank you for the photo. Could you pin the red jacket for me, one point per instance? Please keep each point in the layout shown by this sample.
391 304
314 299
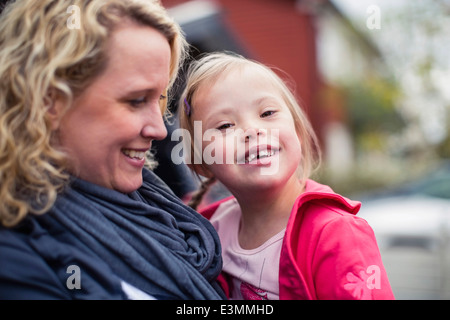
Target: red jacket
328 253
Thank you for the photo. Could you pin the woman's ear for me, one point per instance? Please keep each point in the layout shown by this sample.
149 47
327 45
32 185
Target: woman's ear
55 107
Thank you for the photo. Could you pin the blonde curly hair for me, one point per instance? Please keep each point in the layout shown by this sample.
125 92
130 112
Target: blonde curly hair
42 56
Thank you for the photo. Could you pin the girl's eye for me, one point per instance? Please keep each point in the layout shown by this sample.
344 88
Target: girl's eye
225 126
267 113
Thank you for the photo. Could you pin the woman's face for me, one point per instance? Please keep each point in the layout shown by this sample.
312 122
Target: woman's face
113 122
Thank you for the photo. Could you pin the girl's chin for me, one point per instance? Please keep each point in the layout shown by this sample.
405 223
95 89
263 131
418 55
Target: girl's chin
258 184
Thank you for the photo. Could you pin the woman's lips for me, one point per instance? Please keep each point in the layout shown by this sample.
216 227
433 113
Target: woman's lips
134 154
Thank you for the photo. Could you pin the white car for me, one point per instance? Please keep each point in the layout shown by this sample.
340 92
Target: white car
412 227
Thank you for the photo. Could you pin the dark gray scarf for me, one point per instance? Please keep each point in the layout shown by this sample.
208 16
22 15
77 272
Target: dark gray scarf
148 238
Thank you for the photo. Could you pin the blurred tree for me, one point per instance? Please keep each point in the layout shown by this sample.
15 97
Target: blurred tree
372 113
399 117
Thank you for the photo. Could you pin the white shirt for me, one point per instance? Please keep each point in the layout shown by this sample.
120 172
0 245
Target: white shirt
134 293
254 272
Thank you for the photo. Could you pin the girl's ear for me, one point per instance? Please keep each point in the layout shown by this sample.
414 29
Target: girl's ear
55 108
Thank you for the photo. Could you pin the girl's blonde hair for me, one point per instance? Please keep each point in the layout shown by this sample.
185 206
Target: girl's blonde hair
45 54
209 69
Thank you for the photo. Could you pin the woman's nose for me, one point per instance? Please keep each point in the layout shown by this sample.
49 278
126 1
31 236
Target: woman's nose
154 127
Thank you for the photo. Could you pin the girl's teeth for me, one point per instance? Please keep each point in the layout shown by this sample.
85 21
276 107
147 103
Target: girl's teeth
261 154
251 157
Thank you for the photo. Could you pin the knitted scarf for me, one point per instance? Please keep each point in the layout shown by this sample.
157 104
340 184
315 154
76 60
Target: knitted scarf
148 238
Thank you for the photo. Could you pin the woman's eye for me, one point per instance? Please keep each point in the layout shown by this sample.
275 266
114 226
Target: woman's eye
267 113
224 126
138 102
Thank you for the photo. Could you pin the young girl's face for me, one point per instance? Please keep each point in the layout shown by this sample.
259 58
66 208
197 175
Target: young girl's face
249 130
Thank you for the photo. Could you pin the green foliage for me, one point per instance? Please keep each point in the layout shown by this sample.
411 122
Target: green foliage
372 112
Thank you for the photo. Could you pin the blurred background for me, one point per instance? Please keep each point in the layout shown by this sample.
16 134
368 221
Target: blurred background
374 79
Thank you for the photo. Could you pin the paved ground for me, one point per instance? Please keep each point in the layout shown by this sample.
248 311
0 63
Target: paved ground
416 273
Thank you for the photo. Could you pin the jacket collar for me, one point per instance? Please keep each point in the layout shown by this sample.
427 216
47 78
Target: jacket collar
317 191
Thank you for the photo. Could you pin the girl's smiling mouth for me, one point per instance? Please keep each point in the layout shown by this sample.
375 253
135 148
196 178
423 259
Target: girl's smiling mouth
260 155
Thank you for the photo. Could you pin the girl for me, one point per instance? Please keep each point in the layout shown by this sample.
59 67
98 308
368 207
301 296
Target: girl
283 235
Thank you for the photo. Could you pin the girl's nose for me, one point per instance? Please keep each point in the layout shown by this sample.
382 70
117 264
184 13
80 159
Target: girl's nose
250 134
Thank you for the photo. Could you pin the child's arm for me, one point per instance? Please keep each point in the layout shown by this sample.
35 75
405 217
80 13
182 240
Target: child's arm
347 263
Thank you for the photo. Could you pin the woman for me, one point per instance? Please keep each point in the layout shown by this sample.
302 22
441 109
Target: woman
84 85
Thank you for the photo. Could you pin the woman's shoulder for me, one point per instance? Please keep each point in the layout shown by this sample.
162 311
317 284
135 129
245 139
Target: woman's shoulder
23 273
36 263
15 240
